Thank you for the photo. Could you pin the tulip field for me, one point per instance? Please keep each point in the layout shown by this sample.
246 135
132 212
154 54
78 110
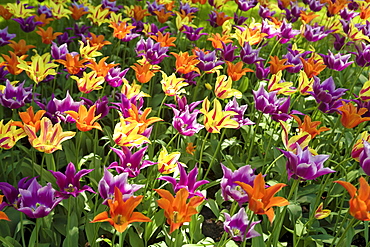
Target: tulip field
184 123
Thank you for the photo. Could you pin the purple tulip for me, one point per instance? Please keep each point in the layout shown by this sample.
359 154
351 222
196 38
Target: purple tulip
55 108
239 227
230 190
208 61
65 39
108 182
265 12
154 6
233 105
43 9
365 158
5 36
315 33
228 52
294 12
3 74
326 95
189 77
69 182
336 62
268 103
131 163
14 97
363 55
304 165
101 104
245 5
116 76
339 41
111 5
36 201
261 71
348 14
193 34
153 52
188 181
249 55
293 57
287 32
239 19
27 25
187 9
59 52
314 5
12 194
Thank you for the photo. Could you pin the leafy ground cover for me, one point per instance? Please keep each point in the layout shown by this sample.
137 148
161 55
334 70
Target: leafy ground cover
184 123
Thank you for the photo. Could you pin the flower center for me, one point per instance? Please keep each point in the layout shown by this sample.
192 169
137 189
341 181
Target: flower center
175 216
119 219
70 188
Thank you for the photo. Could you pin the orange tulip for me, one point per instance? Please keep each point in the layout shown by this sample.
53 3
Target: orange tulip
277 64
217 40
311 67
98 40
236 71
30 118
121 212
261 200
73 64
143 72
77 13
190 148
185 63
307 17
20 48
47 35
12 63
338 5
176 210
359 204
162 15
43 19
5 13
309 127
101 68
141 119
3 216
221 17
165 41
136 12
121 30
85 119
351 117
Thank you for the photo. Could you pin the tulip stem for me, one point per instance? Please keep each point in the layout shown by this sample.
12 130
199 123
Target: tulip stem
173 138
122 237
280 220
366 231
215 153
345 231
22 231
253 137
202 149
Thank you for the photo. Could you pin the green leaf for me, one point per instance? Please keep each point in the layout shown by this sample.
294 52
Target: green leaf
214 207
134 239
150 228
72 232
258 241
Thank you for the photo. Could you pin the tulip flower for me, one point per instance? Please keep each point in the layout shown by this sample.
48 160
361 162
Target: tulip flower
30 118
364 94
321 213
229 189
73 63
20 48
36 201
171 85
188 181
69 182
336 62
236 71
304 165
261 200
40 67
309 126
167 162
359 204
9 134
108 182
89 82
98 15
176 209
130 162
14 97
153 52
51 136
5 36
239 227
351 116
185 63
47 35
233 105
127 134
3 216
141 118
193 34
85 119
121 212
216 119
365 158
358 147
223 88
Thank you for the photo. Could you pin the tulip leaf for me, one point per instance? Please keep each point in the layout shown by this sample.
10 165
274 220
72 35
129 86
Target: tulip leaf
134 238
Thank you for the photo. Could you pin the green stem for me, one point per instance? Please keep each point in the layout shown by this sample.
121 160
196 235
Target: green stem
122 237
366 231
69 222
340 227
152 146
78 146
345 231
173 138
215 153
354 82
22 230
280 220
254 136
202 149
